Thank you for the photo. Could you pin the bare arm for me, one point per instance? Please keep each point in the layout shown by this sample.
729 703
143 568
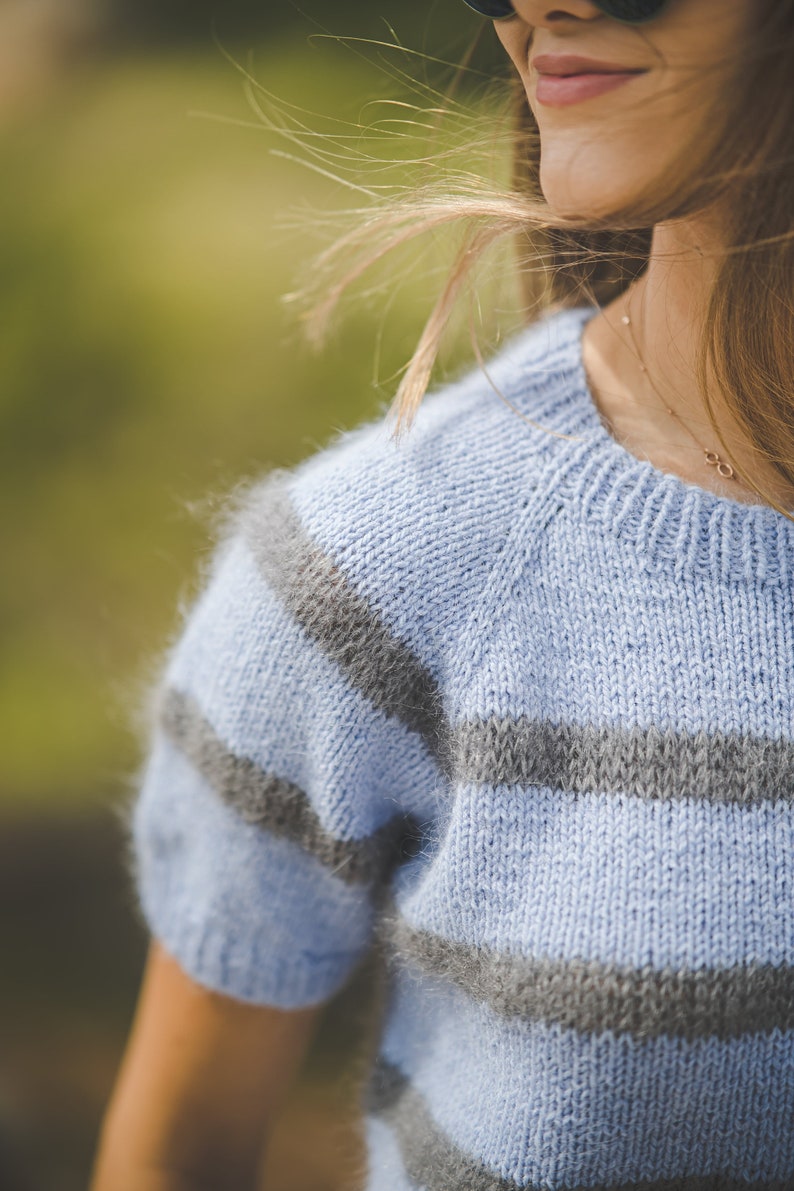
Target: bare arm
200 1084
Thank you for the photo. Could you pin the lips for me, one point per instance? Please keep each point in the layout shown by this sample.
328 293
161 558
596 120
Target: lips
564 79
568 64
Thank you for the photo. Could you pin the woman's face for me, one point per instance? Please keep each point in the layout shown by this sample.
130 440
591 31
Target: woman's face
601 148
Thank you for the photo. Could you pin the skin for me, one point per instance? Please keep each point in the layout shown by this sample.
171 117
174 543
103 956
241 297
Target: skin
202 1082
601 154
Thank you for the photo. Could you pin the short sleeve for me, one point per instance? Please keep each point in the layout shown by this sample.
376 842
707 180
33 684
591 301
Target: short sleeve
268 818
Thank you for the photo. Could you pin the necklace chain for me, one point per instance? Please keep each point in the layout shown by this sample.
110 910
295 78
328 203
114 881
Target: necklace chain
712 458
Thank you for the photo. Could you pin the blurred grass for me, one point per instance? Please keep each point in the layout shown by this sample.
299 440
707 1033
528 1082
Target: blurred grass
145 362
146 365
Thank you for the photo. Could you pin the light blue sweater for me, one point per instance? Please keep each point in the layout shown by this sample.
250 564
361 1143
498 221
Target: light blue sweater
520 708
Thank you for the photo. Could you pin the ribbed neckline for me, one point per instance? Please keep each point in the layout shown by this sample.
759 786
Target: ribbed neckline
674 524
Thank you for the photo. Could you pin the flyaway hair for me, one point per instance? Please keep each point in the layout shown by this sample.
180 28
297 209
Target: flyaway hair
743 168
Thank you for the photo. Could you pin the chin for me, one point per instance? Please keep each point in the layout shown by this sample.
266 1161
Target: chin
585 202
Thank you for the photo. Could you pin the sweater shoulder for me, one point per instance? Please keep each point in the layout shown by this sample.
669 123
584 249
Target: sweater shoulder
414 525
474 440
476 416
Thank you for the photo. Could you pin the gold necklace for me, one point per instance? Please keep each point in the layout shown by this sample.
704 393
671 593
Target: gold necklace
724 468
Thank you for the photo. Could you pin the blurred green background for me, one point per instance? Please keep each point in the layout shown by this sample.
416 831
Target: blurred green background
147 363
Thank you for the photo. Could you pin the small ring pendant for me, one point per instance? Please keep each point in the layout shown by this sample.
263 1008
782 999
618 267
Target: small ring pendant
723 469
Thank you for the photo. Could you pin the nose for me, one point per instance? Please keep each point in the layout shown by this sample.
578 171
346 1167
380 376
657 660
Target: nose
542 12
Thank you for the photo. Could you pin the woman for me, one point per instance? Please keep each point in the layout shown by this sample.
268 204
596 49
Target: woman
515 696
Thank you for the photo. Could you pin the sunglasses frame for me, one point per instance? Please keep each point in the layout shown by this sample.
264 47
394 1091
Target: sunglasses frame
502 10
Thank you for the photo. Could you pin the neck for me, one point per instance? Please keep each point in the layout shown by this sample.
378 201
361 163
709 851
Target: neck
668 308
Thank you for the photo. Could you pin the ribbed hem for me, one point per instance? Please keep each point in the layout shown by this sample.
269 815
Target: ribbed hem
676 526
243 969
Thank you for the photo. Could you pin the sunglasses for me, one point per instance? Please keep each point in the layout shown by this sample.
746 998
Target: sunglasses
633 12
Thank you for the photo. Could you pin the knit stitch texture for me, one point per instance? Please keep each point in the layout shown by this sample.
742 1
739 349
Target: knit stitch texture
518 707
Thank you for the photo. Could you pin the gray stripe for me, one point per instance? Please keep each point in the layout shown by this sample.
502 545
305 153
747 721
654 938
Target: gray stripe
592 997
270 802
646 763
433 1162
429 1157
338 619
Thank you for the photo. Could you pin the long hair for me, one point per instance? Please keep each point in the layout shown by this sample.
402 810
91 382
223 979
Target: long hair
745 164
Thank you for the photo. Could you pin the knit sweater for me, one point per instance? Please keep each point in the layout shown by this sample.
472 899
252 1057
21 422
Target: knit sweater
518 708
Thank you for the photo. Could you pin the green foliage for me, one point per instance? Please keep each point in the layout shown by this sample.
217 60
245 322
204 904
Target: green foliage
192 21
146 362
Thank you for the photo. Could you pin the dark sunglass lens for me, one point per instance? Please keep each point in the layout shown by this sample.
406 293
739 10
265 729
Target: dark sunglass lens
497 10
632 11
